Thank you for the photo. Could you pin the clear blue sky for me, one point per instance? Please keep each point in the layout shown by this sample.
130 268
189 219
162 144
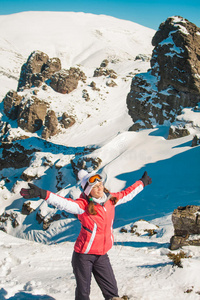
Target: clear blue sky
149 13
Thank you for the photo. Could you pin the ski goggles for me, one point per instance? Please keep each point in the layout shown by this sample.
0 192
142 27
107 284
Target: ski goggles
93 180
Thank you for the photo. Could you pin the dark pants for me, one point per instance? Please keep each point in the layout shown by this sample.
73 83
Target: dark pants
83 267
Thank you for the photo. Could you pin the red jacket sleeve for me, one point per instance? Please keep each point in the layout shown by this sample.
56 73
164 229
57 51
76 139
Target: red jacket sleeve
129 193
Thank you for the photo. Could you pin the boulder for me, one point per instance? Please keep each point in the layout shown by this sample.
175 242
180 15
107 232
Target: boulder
195 141
32 114
85 95
11 217
65 81
111 83
175 132
104 63
27 209
173 81
186 222
105 72
67 121
93 86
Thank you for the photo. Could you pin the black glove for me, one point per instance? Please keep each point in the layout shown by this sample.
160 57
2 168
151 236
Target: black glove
33 192
146 179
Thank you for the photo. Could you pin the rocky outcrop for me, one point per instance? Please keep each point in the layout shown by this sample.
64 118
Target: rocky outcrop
85 95
111 83
4 130
11 217
53 65
175 132
51 125
29 112
37 69
11 104
65 81
15 156
93 86
186 222
104 63
85 163
173 82
195 141
67 121
27 209
105 72
32 114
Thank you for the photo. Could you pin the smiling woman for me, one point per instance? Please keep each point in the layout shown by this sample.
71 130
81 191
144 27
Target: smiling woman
95 209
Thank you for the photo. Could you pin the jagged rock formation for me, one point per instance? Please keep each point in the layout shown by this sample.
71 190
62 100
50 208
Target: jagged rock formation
65 81
32 114
195 141
51 125
37 69
11 104
111 83
104 71
177 132
186 221
85 163
11 217
67 121
15 155
173 82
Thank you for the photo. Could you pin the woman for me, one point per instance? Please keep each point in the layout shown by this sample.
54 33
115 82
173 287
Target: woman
95 209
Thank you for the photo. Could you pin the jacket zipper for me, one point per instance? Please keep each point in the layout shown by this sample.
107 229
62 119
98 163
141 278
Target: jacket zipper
105 229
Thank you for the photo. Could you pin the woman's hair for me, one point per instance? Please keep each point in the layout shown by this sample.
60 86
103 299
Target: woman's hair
91 205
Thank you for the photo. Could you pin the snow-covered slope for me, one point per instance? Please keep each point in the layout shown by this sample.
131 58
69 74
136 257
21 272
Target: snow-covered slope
30 270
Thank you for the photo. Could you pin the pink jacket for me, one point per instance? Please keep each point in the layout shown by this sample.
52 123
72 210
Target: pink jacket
96 235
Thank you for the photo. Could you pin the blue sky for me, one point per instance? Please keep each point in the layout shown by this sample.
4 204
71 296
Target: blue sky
149 13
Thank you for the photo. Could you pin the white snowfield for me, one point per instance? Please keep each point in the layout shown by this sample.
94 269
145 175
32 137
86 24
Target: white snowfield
36 264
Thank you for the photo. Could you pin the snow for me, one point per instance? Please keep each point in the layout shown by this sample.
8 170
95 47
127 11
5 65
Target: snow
36 264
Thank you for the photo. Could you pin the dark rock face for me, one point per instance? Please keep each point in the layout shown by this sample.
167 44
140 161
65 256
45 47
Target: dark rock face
51 125
65 81
10 217
15 156
186 221
85 163
32 114
105 72
177 132
37 69
11 104
67 121
53 65
173 82
33 65
177 53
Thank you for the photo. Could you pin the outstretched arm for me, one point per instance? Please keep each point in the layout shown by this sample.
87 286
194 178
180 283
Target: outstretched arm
129 193
60 202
